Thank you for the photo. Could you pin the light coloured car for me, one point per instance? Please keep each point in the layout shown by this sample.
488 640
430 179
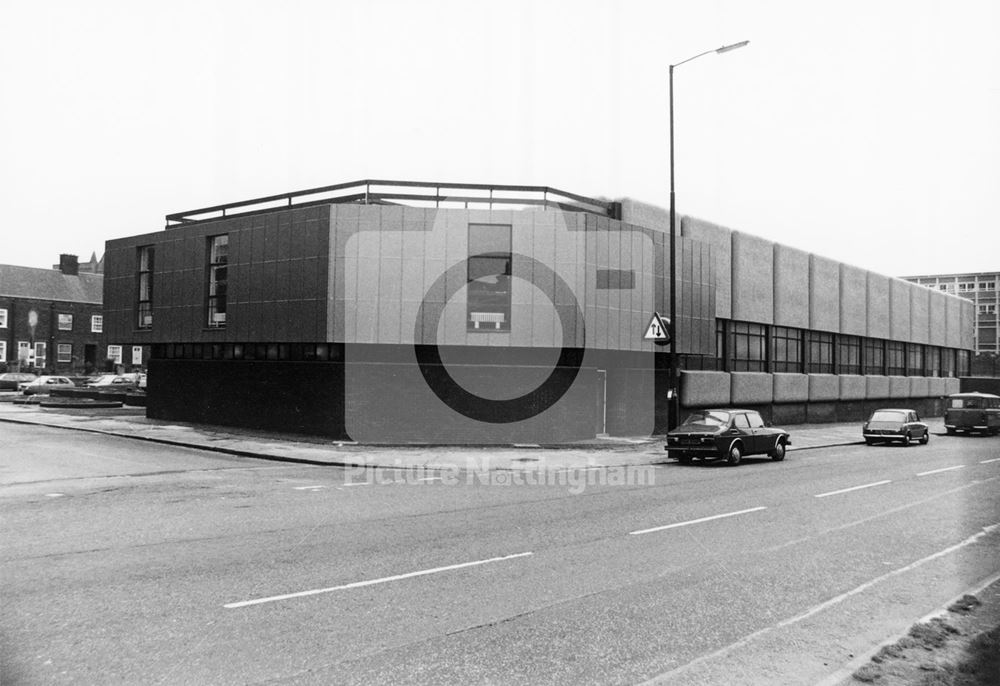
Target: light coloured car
895 424
44 385
114 382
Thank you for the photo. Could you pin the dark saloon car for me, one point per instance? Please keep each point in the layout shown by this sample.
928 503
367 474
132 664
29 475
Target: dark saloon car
11 381
728 434
894 424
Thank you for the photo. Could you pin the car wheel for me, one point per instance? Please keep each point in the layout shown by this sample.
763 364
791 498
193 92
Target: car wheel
906 440
735 454
951 431
869 441
684 458
778 454
925 439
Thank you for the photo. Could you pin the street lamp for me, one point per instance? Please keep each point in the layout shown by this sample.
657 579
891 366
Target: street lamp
674 385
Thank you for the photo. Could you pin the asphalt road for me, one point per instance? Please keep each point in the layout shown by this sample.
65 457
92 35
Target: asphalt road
126 562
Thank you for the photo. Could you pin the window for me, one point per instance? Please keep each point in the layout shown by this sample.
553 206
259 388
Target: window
96 323
962 362
945 286
895 354
3 318
915 360
987 285
115 353
144 279
218 259
874 356
988 309
489 278
3 351
23 351
848 355
39 354
786 349
947 362
819 348
721 351
65 322
966 286
932 361
64 352
749 347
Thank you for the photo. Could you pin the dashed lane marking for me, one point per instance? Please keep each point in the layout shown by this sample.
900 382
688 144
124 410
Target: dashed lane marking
695 521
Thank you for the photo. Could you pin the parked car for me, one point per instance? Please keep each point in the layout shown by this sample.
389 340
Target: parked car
895 424
11 381
44 385
110 382
974 411
728 434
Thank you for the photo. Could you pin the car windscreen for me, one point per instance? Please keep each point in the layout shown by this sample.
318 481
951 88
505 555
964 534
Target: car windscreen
886 416
710 417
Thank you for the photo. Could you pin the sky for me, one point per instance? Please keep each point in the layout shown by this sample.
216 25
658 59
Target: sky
867 131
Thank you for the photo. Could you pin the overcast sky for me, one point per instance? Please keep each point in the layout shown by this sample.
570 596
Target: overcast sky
863 130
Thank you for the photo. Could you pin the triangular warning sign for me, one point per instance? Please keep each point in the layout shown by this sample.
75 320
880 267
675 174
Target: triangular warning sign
657 329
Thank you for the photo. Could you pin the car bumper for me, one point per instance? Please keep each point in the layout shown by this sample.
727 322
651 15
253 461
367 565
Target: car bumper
883 437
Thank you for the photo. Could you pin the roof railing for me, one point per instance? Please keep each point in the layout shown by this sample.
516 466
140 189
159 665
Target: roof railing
413 193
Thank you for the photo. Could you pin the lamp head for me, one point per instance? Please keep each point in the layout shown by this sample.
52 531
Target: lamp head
734 46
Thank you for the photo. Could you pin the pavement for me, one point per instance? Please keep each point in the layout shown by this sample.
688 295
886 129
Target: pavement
604 451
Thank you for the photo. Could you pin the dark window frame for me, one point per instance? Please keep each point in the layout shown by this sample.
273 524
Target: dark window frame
748 346
145 261
786 349
820 352
216 281
849 354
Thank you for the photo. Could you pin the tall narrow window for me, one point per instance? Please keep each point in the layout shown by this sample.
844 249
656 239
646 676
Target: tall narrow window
820 352
3 318
915 360
895 358
64 352
96 323
848 355
786 349
218 259
489 278
144 277
874 356
749 348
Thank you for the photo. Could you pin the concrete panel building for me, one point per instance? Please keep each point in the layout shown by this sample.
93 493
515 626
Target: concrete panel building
449 313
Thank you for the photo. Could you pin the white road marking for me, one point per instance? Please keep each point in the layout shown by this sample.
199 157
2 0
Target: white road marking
54 495
995 459
746 640
695 521
308 488
431 478
360 483
853 488
943 469
373 582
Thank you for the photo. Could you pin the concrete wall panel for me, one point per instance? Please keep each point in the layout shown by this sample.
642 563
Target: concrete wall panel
899 310
853 300
824 294
953 322
791 287
899 387
790 388
952 385
879 323
720 240
935 387
751 388
876 387
920 314
753 279
705 388
919 387
853 387
968 318
823 387
937 314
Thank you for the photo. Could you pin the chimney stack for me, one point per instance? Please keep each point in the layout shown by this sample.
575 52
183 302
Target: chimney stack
69 265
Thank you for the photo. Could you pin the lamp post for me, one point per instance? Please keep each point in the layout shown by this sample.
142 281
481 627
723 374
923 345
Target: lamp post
674 385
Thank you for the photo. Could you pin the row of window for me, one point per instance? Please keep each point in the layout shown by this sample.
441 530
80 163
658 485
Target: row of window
284 352
749 347
216 276
967 286
37 354
489 274
64 322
